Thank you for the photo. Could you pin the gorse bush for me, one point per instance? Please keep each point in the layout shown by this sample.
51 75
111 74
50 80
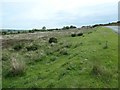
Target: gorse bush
53 40
4 32
73 34
80 34
32 47
31 31
77 34
18 47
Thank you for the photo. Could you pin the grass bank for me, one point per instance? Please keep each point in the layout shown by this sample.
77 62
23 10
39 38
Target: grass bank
88 61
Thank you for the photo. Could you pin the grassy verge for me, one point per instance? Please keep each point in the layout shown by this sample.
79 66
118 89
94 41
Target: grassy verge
89 61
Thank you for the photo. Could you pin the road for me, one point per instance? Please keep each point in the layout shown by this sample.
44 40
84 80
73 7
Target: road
115 28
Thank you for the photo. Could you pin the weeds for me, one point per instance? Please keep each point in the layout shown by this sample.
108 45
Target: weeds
78 44
101 73
96 70
61 43
51 85
71 67
53 58
89 32
64 51
62 74
49 52
5 57
106 45
67 45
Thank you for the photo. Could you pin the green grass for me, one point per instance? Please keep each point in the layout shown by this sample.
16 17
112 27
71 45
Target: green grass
87 63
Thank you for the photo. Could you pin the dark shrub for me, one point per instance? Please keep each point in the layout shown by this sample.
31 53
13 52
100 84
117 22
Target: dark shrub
31 31
53 40
79 34
32 48
18 32
73 34
4 32
18 47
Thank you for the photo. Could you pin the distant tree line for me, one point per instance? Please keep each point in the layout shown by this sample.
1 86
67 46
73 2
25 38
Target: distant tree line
68 27
44 29
7 32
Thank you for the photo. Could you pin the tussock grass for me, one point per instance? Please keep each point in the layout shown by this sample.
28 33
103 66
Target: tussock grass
17 67
53 40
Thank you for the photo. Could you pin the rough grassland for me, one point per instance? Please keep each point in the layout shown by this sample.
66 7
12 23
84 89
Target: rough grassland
74 62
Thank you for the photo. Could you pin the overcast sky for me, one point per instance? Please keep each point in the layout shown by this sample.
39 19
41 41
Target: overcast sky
28 14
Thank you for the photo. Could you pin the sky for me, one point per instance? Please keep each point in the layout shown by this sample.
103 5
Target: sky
29 14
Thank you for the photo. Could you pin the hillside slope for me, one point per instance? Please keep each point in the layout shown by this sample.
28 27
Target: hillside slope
88 61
